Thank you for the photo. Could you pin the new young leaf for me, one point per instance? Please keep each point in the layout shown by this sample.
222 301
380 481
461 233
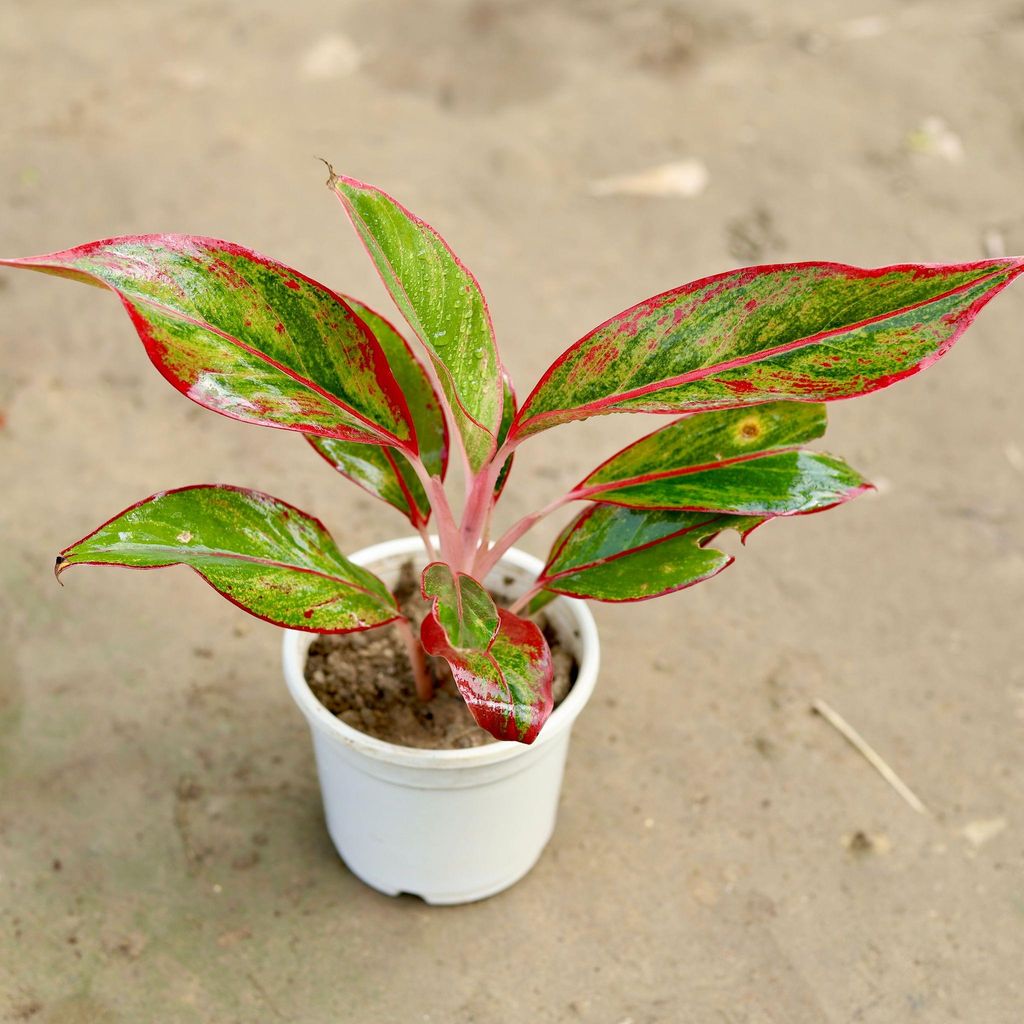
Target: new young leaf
462 606
507 685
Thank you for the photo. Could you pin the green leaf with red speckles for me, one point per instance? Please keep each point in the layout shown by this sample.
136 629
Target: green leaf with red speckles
461 605
804 331
443 303
611 553
742 461
246 336
378 469
507 685
381 472
269 558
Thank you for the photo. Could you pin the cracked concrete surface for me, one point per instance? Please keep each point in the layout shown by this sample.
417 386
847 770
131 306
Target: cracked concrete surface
722 855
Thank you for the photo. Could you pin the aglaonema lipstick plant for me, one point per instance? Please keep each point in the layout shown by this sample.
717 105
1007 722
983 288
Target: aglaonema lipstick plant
744 360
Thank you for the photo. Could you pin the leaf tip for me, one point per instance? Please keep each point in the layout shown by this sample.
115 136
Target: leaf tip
745 534
343 183
58 567
332 176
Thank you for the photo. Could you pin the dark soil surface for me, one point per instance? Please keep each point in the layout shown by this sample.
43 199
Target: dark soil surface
366 680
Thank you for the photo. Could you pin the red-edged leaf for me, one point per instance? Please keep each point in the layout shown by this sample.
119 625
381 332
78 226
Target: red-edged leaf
443 303
415 384
507 686
802 331
610 553
379 470
742 461
246 336
264 555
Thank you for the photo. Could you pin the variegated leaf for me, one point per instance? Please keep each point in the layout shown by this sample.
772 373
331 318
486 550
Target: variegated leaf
742 461
246 336
801 331
264 555
462 606
506 686
610 553
443 303
378 469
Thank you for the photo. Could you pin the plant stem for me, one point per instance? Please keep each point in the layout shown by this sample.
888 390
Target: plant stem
428 543
485 535
454 434
447 529
417 659
487 560
524 599
473 516
479 503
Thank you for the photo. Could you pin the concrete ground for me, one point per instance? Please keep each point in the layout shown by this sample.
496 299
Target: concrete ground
722 854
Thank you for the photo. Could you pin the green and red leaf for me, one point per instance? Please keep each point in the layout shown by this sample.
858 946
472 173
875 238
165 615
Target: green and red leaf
443 304
246 336
740 461
461 605
508 414
611 553
810 332
264 555
377 469
506 686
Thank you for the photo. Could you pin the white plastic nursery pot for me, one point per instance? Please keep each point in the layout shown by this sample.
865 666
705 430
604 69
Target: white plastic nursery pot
450 826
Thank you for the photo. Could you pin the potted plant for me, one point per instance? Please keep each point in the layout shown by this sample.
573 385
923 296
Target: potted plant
742 360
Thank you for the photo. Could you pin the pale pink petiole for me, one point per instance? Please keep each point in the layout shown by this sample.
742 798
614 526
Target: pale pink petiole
476 515
428 542
488 558
447 529
524 599
417 659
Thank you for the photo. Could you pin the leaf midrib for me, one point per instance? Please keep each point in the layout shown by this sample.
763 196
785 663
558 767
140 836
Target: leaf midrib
583 490
214 554
545 578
